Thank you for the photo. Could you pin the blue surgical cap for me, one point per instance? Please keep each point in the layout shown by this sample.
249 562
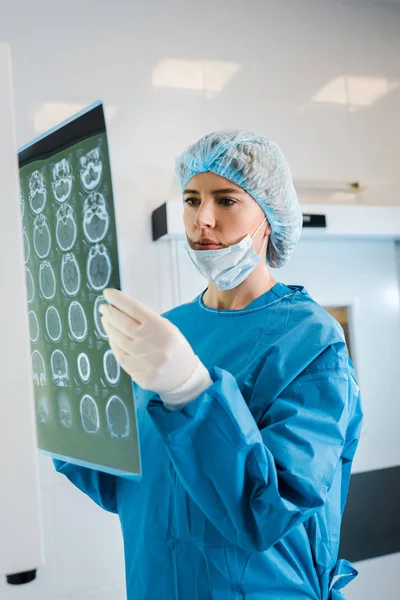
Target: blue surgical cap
257 165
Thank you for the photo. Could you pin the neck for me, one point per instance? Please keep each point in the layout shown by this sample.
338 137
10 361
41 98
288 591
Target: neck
257 283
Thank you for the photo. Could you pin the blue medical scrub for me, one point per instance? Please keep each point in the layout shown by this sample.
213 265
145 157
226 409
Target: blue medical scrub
243 489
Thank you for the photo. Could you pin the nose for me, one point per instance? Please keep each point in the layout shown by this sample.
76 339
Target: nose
205 215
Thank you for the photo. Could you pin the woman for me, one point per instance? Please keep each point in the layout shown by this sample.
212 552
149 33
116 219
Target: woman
248 409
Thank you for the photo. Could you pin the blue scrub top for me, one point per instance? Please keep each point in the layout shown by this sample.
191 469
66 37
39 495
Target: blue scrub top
243 489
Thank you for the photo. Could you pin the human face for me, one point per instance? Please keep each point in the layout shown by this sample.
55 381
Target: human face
218 214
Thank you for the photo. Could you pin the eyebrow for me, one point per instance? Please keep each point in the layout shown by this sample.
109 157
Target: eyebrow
214 192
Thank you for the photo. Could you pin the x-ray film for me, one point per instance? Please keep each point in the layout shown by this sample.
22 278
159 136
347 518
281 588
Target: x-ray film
84 403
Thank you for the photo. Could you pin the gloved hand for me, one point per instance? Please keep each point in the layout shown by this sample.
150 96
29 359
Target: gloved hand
153 351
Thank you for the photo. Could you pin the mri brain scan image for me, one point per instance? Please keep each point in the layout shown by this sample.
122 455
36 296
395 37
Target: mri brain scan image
117 418
89 414
70 274
66 228
111 367
47 280
53 324
91 169
33 326
62 180
84 368
37 192
97 317
64 410
77 321
59 368
43 410
41 236
98 267
95 217
38 369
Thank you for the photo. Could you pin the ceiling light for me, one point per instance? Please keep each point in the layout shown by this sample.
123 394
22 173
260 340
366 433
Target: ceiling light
196 75
355 91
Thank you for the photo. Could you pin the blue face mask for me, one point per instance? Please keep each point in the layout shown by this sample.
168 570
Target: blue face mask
227 268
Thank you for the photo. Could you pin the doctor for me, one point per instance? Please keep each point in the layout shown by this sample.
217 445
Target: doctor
248 409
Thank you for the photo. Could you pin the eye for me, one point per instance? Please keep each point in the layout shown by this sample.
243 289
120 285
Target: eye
225 200
190 200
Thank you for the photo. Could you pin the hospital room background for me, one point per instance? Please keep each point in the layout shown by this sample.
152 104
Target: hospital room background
319 77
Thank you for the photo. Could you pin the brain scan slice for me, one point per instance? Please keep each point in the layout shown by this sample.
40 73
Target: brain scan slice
77 321
38 369
89 414
33 326
66 228
37 192
84 368
62 179
59 368
117 418
91 169
64 410
47 280
97 317
42 410
70 274
53 324
99 267
111 367
96 219
41 236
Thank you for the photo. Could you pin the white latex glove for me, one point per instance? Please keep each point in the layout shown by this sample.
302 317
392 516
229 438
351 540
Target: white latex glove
152 350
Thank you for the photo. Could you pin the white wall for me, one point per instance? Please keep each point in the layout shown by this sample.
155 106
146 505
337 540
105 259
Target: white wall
21 544
67 55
